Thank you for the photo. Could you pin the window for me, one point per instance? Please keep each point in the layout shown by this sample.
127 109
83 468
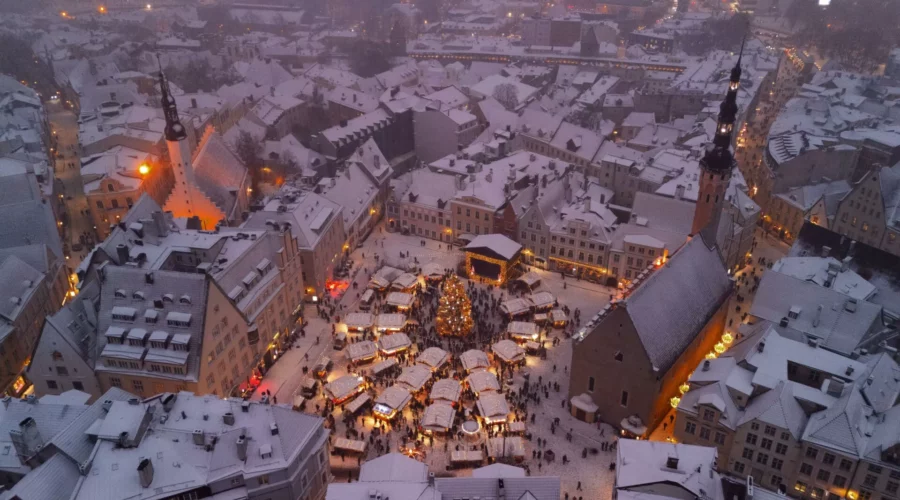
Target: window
62 371
775 481
138 386
754 426
865 495
263 479
719 438
785 436
51 384
78 386
590 384
777 463
709 415
806 469
839 481
817 493
875 469
100 204
762 458
870 480
115 381
780 448
823 475
690 427
115 203
895 474
891 487
619 356
812 453
845 464
624 399
751 439
801 486
739 467
747 453
704 433
766 443
770 431
828 459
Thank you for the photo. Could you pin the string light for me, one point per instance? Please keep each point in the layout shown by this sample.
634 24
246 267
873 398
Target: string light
454 315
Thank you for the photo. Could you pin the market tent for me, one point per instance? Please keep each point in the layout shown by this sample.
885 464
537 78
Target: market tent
482 381
380 367
474 359
414 377
400 300
392 401
446 389
523 330
515 307
390 322
341 389
542 300
433 271
359 321
394 343
493 407
361 351
433 358
438 417
405 281
529 279
500 447
508 351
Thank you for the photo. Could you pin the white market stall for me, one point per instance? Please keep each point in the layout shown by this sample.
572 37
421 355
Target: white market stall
433 271
414 378
493 408
400 300
507 447
559 318
355 405
530 279
474 359
359 321
344 388
515 307
384 277
482 381
394 343
523 330
542 301
433 357
463 458
393 322
391 402
361 352
382 366
351 445
508 351
447 390
438 418
404 282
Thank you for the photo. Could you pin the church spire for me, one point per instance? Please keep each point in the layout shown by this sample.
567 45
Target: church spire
174 129
719 157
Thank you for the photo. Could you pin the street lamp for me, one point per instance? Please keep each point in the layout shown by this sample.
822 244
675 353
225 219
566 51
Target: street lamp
144 169
102 9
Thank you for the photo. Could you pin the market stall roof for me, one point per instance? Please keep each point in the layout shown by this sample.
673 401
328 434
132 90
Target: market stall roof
466 456
474 359
395 397
438 417
446 389
515 307
358 403
529 279
394 342
342 387
359 320
558 316
379 282
400 299
432 270
482 381
404 281
388 273
584 402
381 366
493 406
361 350
506 447
523 329
508 351
433 357
518 426
393 321
542 300
414 377
349 444
497 246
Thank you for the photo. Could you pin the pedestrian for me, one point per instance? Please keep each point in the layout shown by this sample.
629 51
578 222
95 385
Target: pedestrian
579 486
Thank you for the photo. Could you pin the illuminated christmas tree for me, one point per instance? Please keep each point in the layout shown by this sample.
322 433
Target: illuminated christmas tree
454 315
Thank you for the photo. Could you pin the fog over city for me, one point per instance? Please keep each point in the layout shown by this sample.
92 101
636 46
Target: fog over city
449 250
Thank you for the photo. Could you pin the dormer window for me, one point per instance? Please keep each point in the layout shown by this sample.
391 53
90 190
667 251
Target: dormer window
250 279
123 314
138 295
264 267
794 312
120 294
169 298
185 299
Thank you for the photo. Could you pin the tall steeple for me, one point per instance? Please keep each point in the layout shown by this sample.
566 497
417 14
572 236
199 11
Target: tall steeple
180 200
174 129
718 162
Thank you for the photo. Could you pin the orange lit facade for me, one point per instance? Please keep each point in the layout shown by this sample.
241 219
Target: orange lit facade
111 198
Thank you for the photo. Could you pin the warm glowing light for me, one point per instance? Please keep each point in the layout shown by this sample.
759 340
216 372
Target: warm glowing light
719 348
102 9
509 14
727 338
144 169
149 6
684 388
674 402
711 355
64 14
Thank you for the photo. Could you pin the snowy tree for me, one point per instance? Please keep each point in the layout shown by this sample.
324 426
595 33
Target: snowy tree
508 95
249 150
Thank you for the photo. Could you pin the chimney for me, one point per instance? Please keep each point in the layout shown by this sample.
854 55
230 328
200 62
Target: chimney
587 204
845 264
199 437
672 463
145 471
679 192
168 401
123 440
818 316
194 102
273 428
834 387
431 479
245 406
706 365
377 160
242 448
228 418
490 176
501 489
162 225
826 250
761 346
122 254
26 439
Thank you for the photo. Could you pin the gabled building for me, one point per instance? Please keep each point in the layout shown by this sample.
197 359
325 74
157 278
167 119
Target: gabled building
870 213
632 357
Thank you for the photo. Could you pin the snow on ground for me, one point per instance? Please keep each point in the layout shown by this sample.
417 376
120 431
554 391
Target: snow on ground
284 378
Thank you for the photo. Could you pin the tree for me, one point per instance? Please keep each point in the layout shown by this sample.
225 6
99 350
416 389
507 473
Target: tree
368 58
249 150
454 315
507 94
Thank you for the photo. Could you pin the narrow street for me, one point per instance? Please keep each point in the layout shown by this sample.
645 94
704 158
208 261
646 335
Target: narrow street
68 171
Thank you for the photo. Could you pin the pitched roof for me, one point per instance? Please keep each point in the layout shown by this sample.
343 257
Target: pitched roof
219 173
72 440
844 426
671 307
778 407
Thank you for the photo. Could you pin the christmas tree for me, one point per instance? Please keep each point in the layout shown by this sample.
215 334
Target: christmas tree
454 315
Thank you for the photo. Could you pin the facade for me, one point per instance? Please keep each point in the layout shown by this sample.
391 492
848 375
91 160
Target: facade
870 213
817 203
419 204
439 133
143 447
632 357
